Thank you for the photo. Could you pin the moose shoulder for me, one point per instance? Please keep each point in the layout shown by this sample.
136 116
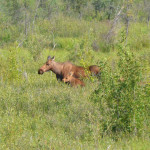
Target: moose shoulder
62 69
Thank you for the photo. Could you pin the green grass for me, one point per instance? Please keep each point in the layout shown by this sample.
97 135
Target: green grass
41 113
44 114
37 111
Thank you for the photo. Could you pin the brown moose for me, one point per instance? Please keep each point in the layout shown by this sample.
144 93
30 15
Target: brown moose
73 81
62 69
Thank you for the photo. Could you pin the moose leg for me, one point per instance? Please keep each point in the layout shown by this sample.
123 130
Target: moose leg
59 77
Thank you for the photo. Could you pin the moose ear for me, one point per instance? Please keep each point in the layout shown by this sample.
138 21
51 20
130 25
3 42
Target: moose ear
53 58
49 57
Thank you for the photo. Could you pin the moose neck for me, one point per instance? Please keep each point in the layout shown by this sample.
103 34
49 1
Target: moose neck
57 68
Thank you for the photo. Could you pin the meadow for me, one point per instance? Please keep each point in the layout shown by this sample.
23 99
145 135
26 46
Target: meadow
38 112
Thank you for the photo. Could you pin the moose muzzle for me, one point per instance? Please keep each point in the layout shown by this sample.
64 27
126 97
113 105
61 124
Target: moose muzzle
40 71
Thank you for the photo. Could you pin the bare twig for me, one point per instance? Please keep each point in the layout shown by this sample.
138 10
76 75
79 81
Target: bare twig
38 3
54 44
20 43
114 23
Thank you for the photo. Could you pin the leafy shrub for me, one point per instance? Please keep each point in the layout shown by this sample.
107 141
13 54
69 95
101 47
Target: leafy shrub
65 43
62 26
69 27
121 99
9 33
36 44
139 37
83 52
100 41
10 71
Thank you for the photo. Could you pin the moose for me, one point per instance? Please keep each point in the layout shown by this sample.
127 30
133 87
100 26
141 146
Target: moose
62 69
73 81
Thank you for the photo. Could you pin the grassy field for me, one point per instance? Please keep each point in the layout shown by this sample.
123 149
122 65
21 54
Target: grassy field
38 112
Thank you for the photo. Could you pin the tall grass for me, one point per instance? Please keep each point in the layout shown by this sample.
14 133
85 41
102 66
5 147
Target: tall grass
37 112
42 113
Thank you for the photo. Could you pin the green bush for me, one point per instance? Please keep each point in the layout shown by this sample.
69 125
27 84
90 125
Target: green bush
123 103
69 27
62 26
83 52
36 44
10 71
9 33
139 36
65 43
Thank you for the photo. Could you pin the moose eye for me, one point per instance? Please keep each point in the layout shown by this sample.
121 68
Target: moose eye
47 64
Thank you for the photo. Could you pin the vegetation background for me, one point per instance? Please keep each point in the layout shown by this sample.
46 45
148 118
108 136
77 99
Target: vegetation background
112 111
